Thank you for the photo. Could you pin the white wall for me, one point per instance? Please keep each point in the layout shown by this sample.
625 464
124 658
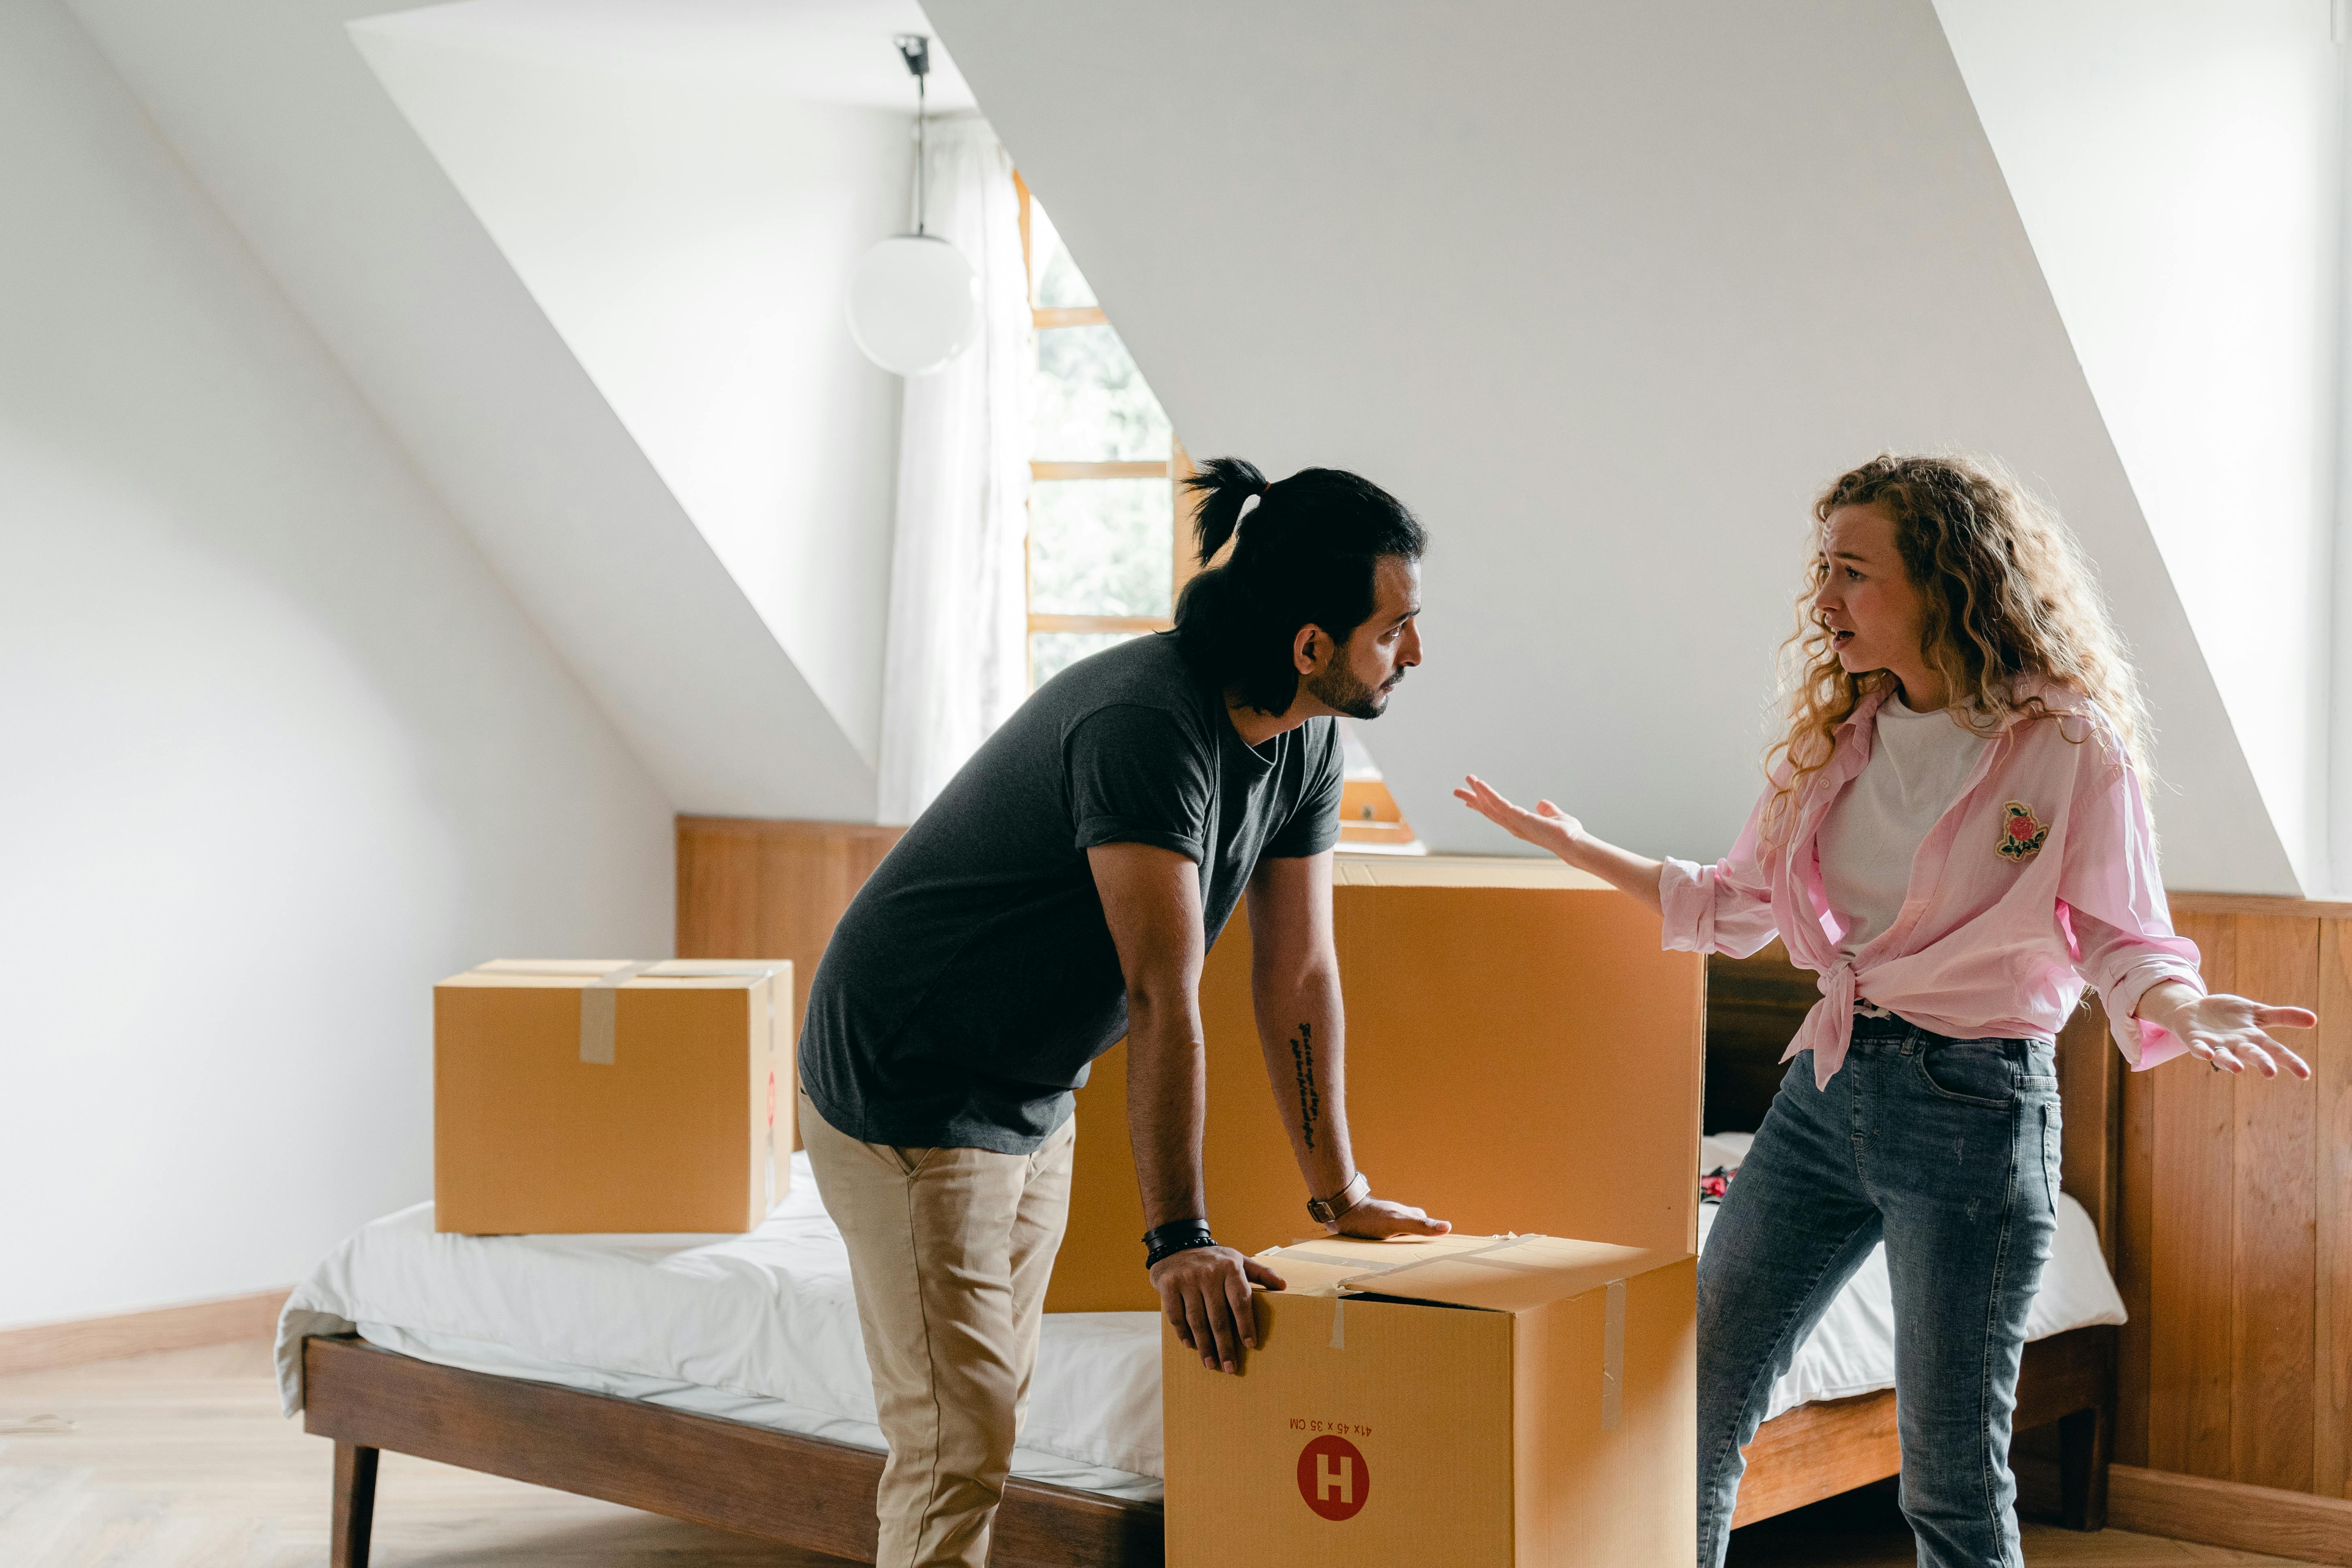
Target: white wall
691 234
2178 166
1607 292
281 750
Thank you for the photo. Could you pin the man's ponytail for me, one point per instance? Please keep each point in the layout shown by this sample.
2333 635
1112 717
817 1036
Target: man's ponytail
1225 485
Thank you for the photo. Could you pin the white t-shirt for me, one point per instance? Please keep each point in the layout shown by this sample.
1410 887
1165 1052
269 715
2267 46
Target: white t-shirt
1918 763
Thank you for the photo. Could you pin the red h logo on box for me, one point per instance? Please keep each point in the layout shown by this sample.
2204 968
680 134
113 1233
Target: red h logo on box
1333 1478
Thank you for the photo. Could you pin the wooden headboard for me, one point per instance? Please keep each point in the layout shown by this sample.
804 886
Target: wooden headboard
1754 1006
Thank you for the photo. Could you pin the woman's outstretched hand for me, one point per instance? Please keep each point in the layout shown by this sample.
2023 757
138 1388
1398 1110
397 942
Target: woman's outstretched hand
1546 827
1549 828
2227 1031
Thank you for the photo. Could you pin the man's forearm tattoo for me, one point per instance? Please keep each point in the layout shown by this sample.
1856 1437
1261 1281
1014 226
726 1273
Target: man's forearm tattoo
1310 1099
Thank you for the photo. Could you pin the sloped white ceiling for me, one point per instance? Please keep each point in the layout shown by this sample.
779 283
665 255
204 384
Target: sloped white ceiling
1606 292
2180 168
690 226
269 103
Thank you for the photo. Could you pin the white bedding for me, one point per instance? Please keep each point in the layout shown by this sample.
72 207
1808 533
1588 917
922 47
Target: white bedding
758 1328
762 1328
1852 1350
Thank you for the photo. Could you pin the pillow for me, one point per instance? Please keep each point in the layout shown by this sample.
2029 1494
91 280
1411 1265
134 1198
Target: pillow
1723 1151
1719 1154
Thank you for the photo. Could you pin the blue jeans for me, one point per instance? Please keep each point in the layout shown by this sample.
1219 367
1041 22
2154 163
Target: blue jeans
1947 1150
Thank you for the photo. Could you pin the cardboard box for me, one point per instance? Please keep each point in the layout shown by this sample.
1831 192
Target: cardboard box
602 1095
1481 1401
1520 1056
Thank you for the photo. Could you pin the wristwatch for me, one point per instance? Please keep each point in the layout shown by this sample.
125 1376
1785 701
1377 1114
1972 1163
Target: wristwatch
1329 1211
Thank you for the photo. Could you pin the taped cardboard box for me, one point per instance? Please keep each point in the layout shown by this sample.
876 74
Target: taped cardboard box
1483 1402
601 1095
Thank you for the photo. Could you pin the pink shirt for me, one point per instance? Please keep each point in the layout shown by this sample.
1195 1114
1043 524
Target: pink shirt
2040 877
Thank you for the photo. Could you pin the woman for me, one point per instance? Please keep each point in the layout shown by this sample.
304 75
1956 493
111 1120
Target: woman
1956 837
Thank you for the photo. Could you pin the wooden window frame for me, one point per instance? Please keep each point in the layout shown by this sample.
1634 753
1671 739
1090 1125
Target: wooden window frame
1175 469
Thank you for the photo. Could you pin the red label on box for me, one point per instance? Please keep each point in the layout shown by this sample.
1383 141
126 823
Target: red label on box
1333 1478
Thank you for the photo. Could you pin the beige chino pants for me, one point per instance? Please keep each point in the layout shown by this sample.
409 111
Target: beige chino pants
948 1250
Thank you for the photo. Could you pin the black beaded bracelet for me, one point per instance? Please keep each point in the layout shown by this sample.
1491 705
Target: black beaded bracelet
1162 1241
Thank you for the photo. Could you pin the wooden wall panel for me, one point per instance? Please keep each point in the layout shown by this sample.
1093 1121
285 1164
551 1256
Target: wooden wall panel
2331 1060
2190 1293
2234 1251
749 889
2274 1260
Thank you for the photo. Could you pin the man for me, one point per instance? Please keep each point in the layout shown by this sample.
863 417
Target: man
1060 893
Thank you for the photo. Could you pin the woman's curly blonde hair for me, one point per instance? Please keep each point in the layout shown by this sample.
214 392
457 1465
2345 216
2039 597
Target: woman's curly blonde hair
2011 602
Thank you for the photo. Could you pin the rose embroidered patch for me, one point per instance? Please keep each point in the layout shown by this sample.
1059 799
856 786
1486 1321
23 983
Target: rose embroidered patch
2021 834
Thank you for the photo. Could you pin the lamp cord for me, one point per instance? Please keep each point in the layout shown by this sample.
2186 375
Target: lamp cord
915 49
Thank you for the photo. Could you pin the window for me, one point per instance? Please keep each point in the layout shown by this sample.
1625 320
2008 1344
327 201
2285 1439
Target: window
1105 557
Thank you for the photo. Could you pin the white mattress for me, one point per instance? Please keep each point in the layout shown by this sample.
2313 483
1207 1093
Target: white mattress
762 1328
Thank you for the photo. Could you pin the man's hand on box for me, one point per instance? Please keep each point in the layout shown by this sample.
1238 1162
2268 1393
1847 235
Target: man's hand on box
1377 1219
1206 1293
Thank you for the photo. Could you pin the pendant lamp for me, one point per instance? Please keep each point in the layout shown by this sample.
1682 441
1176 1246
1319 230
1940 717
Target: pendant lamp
914 300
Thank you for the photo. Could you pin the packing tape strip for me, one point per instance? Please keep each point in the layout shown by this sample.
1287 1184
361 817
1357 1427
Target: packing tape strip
1339 1322
600 1008
1482 1254
1612 1359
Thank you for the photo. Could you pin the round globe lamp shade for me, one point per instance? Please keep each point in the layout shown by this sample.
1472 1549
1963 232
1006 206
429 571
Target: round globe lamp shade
914 304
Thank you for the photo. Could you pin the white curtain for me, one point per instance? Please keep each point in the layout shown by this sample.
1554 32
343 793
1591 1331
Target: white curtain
956 663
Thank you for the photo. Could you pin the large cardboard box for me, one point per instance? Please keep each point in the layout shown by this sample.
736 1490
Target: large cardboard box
603 1095
1481 1401
1520 1056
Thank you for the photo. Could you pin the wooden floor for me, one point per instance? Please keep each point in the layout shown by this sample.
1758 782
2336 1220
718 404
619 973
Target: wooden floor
181 1461
1865 1530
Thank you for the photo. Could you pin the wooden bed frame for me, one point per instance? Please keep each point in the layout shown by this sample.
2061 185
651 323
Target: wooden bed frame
819 1495
801 1491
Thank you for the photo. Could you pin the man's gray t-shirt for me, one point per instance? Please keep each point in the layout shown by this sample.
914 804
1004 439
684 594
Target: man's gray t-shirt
973 978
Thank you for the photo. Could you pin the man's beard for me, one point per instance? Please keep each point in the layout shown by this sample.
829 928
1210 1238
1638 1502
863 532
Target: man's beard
1337 688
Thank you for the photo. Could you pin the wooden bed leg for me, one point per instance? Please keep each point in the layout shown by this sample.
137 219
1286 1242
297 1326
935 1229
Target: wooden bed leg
2085 1440
354 1504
